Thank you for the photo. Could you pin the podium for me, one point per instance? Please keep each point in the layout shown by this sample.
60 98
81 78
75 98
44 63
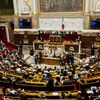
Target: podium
55 38
52 51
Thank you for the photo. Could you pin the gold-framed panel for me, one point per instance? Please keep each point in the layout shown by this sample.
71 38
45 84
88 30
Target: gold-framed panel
59 6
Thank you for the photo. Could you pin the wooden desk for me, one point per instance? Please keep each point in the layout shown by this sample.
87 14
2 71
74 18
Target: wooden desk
36 94
36 82
50 61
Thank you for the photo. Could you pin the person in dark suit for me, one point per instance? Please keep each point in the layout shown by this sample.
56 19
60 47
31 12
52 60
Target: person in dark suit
40 57
50 84
71 56
92 50
31 51
84 94
98 91
36 59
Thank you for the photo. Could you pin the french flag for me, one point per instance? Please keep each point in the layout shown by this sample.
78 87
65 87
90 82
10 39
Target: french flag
63 26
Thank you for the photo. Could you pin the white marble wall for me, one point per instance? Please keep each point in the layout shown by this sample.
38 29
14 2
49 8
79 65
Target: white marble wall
70 23
49 23
73 23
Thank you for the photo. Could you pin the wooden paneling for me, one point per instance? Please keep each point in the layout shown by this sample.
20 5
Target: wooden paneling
51 61
20 37
87 41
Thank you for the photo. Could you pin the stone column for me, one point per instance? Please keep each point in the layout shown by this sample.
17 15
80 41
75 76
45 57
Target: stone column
87 6
34 6
16 21
35 14
87 14
15 7
87 21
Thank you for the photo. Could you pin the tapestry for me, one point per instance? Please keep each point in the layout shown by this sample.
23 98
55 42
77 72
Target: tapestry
61 5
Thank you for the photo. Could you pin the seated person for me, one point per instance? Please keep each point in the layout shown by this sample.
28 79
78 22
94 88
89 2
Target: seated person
57 82
21 81
42 95
93 94
66 81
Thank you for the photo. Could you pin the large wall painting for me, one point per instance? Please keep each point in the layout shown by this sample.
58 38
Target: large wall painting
61 5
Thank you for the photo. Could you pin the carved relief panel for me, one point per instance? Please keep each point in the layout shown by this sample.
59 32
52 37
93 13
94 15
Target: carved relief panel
97 5
94 5
25 6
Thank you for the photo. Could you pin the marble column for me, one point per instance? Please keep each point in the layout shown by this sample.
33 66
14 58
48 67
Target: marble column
15 7
87 14
16 21
35 13
87 6
35 6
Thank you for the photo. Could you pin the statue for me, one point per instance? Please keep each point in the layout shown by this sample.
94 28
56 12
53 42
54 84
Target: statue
27 5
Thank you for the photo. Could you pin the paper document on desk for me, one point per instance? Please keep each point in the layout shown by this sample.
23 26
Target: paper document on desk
55 93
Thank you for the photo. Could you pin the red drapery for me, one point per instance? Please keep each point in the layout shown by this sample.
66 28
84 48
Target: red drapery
3 36
9 46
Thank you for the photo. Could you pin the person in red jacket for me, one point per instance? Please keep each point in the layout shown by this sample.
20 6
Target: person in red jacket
2 97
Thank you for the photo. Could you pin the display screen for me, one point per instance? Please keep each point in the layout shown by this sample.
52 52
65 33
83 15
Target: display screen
95 24
25 23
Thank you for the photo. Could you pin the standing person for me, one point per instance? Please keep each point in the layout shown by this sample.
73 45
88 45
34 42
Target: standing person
84 94
50 84
92 50
40 57
72 58
36 59
62 61
98 53
21 45
20 49
20 52
31 51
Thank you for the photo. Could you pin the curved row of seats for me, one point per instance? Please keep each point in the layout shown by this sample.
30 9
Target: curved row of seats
38 87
